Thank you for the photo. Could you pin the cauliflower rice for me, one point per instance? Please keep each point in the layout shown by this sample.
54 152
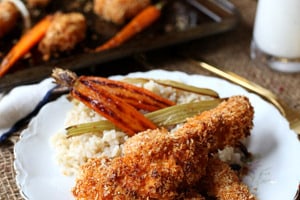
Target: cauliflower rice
71 153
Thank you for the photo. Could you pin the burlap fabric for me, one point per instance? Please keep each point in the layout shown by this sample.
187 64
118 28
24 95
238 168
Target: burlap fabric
229 50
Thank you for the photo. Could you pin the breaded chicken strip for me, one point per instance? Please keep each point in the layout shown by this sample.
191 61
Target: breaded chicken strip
159 165
118 11
229 122
225 125
64 33
222 182
158 173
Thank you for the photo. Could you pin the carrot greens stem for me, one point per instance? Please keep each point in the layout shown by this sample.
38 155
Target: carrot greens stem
165 117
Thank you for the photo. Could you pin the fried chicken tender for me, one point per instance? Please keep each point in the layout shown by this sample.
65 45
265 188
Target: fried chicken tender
118 11
223 126
160 165
157 174
64 33
222 182
229 122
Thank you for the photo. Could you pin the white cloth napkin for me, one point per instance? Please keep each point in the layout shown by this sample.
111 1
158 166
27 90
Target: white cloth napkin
20 102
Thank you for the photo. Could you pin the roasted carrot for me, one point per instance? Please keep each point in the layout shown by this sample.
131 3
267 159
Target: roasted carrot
113 108
27 41
138 97
117 101
140 22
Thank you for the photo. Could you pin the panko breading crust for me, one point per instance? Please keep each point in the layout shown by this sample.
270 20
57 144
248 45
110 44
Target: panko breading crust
160 165
64 33
222 182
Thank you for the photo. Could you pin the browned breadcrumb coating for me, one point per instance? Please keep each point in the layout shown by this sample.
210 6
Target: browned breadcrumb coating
118 11
65 31
138 142
157 173
230 121
37 3
158 165
191 195
222 182
9 15
237 117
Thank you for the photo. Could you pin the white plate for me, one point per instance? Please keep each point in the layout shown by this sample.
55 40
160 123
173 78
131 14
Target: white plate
274 173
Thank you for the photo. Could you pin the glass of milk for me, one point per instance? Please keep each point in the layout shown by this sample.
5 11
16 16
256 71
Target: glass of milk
276 36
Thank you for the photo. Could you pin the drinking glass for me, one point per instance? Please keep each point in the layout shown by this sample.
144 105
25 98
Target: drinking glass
276 35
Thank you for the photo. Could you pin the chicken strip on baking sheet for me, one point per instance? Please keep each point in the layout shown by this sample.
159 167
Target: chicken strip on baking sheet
118 11
64 33
158 164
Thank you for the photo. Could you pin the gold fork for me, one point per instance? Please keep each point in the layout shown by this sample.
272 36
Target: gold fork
292 116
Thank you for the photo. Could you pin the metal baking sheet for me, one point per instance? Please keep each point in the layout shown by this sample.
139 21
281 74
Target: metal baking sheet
181 21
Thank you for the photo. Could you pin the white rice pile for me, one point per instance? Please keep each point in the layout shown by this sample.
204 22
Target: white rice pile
72 152
75 151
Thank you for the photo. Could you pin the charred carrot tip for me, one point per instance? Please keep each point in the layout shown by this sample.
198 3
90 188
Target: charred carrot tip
23 46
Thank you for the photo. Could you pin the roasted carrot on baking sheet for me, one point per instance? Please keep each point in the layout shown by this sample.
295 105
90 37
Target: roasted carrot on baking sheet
23 46
140 22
